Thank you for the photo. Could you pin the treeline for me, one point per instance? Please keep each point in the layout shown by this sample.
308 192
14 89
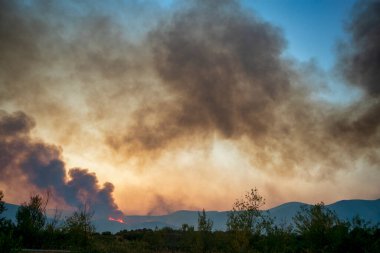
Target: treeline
33 230
315 229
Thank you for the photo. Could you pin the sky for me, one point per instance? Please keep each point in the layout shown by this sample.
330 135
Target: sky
147 107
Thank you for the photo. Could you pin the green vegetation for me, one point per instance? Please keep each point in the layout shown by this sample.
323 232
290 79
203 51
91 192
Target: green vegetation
8 241
316 229
79 229
31 220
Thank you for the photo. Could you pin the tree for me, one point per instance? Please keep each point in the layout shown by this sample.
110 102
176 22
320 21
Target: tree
7 241
53 235
79 227
204 232
187 228
314 219
204 224
31 218
2 207
320 228
246 220
246 214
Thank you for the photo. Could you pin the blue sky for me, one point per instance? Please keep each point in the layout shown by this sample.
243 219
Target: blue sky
312 27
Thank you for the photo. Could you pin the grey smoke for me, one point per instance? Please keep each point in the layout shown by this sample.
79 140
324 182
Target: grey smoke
209 70
42 166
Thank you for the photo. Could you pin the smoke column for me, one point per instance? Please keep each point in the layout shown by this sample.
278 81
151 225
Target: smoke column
29 163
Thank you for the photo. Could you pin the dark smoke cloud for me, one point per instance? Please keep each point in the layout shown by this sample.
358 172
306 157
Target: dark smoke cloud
360 63
48 49
210 70
224 70
361 59
15 124
41 165
225 75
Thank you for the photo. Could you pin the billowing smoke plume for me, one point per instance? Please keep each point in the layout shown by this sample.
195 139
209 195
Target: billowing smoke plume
27 162
149 82
223 69
226 77
361 61
360 64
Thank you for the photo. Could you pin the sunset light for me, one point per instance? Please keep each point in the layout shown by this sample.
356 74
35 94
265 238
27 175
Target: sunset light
133 126
150 107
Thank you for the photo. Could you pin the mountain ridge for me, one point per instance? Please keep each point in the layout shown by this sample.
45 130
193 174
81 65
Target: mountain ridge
369 210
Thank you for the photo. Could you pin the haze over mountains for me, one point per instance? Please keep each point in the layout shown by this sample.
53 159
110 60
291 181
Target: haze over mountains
369 210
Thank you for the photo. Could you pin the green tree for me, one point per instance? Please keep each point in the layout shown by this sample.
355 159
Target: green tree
2 206
204 224
314 219
31 218
8 243
79 228
320 228
363 236
246 214
204 233
246 221
53 235
187 228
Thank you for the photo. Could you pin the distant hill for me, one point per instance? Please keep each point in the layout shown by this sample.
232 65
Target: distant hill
345 209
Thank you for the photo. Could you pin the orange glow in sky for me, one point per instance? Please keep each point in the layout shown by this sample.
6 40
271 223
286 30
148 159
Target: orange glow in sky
183 107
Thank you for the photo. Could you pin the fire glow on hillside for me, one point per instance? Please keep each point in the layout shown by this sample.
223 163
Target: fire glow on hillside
117 220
